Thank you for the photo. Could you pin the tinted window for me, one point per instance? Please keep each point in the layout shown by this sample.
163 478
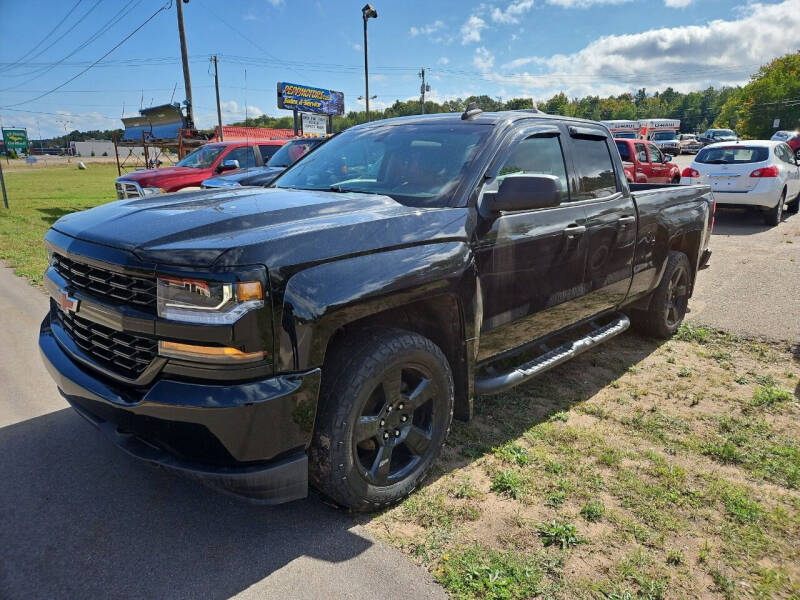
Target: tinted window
595 169
245 156
291 151
268 151
202 157
655 154
732 155
415 164
537 156
624 151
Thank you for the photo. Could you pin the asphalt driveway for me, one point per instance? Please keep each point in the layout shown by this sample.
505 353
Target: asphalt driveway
79 519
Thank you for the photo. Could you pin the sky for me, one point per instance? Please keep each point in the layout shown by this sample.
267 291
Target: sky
505 49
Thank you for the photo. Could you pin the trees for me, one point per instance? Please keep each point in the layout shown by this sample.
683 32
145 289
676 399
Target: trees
773 93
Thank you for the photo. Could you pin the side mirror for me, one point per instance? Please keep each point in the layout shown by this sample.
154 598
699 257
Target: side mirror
667 158
525 192
228 165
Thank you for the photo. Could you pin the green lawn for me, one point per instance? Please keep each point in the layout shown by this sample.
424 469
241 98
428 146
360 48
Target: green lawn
37 198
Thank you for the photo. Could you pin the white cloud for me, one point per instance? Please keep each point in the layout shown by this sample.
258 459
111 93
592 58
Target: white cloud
276 3
687 58
443 60
584 3
483 59
471 30
677 3
356 47
233 111
426 29
512 12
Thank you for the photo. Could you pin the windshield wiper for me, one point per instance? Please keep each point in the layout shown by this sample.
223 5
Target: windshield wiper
337 188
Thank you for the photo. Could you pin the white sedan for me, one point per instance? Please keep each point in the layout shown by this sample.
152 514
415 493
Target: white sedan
763 174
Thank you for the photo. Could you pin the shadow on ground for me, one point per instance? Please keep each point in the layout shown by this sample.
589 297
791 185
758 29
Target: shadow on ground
742 221
79 519
53 214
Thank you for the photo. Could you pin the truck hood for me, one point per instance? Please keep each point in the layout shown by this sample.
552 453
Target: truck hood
147 176
271 226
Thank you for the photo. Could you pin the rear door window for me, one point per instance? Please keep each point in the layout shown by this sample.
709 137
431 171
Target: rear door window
594 168
245 156
268 151
624 151
537 156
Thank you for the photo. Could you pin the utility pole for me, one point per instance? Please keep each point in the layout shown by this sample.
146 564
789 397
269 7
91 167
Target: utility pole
424 87
368 12
3 185
187 79
216 85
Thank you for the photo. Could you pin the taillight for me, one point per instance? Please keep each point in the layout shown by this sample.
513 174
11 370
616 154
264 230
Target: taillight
690 172
770 171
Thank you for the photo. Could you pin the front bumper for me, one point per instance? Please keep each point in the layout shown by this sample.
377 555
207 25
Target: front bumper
246 439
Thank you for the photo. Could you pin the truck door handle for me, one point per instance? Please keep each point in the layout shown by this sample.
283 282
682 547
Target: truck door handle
626 220
574 231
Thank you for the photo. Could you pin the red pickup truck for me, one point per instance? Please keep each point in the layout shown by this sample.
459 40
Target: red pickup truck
643 162
207 161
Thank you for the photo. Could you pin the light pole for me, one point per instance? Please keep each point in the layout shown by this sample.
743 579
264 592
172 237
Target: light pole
368 12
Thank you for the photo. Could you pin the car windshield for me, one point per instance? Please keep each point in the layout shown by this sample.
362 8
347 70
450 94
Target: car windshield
783 136
415 164
629 135
664 135
732 155
291 151
722 133
203 157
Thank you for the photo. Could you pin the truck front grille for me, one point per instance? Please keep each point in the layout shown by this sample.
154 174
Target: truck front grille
122 353
107 285
127 189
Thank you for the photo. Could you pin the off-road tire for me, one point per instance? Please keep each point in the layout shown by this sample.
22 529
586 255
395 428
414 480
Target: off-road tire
656 321
773 216
353 375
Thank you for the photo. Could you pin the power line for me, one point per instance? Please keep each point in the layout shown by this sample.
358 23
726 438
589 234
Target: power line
46 37
125 39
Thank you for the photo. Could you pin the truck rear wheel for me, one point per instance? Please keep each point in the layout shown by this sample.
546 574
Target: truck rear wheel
669 301
385 411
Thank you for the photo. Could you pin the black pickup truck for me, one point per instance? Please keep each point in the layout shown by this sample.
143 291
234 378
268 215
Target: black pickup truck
333 324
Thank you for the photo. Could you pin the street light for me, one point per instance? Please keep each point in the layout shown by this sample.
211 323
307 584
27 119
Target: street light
368 12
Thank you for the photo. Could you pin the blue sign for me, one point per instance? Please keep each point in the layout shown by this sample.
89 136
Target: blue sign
303 98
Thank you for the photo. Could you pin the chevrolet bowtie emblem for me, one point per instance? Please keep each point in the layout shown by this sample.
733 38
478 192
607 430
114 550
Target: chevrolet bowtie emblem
66 302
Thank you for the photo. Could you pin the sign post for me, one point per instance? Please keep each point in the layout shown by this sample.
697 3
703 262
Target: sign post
3 185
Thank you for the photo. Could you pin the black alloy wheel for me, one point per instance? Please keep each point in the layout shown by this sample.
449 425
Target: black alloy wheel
677 297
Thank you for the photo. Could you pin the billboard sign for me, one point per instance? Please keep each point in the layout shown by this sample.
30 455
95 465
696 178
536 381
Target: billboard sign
15 139
303 98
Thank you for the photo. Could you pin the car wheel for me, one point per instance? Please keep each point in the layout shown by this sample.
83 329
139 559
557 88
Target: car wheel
669 301
676 179
773 215
797 154
385 412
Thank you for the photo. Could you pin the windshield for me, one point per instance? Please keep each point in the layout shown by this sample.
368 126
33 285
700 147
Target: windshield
664 135
782 135
625 135
732 155
722 133
203 157
291 151
415 164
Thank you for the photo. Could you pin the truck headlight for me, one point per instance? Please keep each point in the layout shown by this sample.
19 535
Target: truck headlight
207 302
150 191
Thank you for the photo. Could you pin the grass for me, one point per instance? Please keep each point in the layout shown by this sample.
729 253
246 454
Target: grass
37 198
623 474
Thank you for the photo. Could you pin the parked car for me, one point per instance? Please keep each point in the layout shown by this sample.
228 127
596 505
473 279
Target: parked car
645 163
763 174
333 323
290 153
689 143
206 161
667 142
713 136
790 137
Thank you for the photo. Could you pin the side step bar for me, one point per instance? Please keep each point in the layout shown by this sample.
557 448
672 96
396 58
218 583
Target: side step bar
499 383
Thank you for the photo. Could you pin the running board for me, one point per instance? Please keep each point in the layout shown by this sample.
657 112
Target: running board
553 358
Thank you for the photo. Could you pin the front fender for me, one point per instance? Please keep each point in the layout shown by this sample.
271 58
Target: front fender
323 298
